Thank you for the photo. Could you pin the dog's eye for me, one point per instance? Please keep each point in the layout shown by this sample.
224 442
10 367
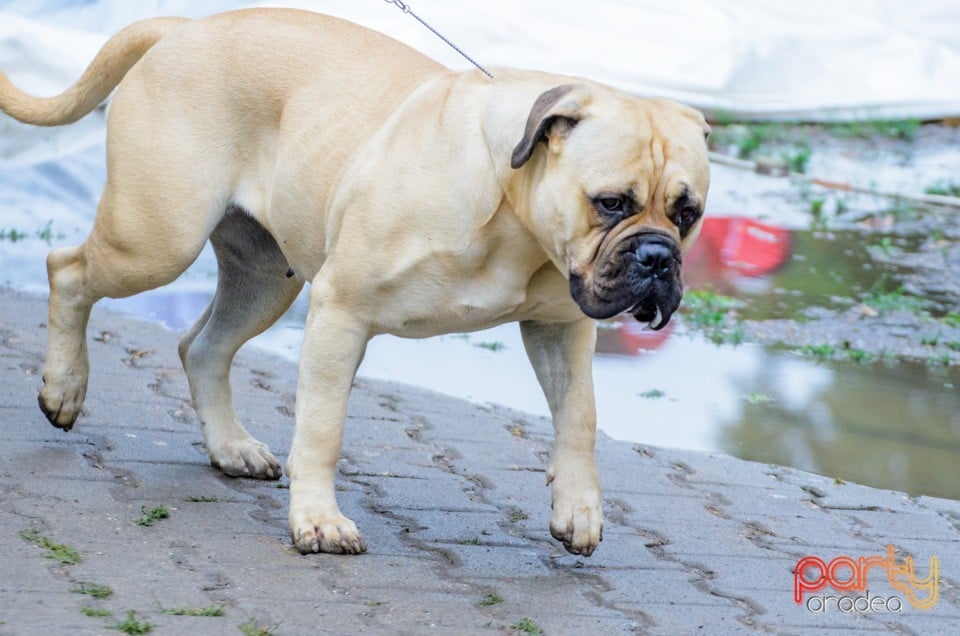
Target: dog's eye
611 207
685 219
612 204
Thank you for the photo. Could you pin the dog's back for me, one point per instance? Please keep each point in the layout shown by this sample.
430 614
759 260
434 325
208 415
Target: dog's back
241 47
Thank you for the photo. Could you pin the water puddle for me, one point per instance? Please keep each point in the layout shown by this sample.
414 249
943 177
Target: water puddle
783 272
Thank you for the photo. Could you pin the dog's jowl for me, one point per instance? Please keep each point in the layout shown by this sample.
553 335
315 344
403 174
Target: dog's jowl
415 200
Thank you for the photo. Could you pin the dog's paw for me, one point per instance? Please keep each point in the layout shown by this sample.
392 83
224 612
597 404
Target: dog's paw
577 522
318 533
246 458
61 402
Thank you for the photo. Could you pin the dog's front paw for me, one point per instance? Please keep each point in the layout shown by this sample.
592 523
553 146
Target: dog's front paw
61 401
245 458
577 521
319 533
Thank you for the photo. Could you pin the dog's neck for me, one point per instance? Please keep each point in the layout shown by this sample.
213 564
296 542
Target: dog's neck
508 99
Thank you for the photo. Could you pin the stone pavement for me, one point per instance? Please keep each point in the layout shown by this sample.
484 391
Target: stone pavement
450 497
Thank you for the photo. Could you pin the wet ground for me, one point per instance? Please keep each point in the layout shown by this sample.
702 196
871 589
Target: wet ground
821 330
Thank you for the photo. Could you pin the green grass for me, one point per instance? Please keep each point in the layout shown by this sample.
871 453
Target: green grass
92 612
652 394
518 515
704 308
150 517
732 335
798 157
749 144
827 350
941 360
749 139
944 188
132 625
94 590
886 247
44 233
905 129
202 499
12 235
705 298
713 315
820 205
496 345
753 139
250 628
930 341
952 319
819 351
210 610
527 626
859 355
894 300
60 552
902 209
839 205
759 398
491 599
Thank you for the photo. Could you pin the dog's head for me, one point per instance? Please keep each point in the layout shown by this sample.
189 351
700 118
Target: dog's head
615 196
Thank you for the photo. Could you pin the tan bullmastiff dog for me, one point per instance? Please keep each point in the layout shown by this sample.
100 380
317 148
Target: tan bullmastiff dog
416 200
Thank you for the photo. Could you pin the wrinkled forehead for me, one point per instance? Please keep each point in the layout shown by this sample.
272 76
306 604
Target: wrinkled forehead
652 144
681 134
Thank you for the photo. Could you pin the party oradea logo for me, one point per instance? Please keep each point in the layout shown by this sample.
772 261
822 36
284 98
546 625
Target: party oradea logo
853 578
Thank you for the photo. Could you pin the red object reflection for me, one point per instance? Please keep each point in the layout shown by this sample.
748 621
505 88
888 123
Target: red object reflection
735 247
729 249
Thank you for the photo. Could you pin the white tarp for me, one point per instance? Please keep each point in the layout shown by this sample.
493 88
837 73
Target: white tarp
815 59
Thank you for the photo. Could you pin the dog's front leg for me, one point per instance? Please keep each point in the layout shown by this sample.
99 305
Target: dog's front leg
562 356
333 346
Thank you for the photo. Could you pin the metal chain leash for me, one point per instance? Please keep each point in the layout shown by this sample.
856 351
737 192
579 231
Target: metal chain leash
406 9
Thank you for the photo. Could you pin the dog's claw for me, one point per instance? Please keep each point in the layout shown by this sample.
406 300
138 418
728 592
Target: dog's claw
337 535
246 458
579 528
583 546
61 407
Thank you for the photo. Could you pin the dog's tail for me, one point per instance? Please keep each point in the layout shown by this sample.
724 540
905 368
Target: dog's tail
106 70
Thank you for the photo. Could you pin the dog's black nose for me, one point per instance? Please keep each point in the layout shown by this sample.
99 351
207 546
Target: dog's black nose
654 259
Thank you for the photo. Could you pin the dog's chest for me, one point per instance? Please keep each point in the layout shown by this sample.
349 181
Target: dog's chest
431 306
475 299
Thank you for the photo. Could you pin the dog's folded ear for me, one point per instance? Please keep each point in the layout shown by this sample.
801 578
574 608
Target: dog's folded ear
555 112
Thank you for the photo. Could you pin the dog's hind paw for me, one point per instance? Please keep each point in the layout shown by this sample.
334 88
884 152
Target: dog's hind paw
246 458
336 534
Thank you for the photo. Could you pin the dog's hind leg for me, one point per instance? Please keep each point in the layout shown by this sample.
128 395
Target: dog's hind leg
67 368
253 290
120 257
